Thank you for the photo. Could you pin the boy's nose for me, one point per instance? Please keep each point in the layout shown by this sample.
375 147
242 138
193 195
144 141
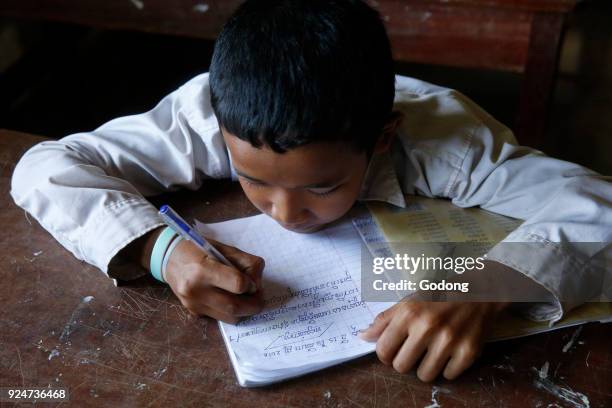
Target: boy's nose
287 209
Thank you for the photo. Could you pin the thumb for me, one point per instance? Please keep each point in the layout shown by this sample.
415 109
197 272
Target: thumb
252 265
373 332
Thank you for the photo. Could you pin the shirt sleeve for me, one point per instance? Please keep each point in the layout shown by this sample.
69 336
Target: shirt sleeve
460 152
88 189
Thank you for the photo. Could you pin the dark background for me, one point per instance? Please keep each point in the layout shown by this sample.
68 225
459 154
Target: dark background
57 79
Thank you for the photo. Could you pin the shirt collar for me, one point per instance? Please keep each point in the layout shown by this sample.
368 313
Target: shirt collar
380 182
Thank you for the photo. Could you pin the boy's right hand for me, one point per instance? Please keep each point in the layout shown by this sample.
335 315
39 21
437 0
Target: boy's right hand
206 286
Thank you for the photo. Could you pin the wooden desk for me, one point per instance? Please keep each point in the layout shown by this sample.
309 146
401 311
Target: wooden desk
136 346
520 36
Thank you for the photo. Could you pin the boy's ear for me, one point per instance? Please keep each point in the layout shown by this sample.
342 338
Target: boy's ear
389 131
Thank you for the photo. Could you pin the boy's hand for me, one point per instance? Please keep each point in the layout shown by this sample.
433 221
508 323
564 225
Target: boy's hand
448 334
206 286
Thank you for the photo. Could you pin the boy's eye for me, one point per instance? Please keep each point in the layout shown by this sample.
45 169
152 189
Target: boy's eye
323 191
253 183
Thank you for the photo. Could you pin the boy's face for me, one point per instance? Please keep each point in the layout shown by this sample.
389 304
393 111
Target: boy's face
303 189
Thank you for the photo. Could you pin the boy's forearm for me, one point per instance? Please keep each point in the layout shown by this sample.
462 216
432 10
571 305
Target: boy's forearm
140 249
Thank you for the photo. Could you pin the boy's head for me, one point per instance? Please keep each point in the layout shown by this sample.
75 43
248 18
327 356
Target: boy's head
303 91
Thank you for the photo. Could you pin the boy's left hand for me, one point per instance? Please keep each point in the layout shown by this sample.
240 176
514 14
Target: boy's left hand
448 334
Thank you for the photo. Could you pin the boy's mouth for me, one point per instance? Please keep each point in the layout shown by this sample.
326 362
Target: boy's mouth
302 228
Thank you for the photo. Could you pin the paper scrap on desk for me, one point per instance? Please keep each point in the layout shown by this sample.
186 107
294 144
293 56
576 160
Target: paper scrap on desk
435 220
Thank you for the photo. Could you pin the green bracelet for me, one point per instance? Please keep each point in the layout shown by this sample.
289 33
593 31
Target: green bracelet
159 249
173 245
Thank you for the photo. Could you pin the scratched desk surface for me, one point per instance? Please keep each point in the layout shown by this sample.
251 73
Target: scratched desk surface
64 324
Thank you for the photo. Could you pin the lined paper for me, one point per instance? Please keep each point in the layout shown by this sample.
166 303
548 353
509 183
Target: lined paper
313 307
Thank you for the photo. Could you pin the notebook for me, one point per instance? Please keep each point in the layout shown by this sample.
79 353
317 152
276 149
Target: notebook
313 306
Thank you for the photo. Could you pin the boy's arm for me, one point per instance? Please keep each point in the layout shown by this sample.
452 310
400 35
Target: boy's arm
563 204
88 189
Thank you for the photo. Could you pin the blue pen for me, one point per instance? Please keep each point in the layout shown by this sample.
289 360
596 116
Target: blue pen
181 226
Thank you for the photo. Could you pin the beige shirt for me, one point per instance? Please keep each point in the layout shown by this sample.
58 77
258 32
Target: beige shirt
88 189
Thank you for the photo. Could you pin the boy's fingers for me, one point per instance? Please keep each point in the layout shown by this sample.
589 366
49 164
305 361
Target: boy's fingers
252 265
390 341
409 353
202 310
460 361
452 349
232 305
433 362
227 278
375 329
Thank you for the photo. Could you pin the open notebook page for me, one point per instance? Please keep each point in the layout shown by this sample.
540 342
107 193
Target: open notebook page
312 295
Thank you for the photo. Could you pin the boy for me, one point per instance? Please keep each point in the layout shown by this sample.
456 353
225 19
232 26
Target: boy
302 107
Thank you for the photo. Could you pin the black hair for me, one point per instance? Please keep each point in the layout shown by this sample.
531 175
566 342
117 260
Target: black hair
285 73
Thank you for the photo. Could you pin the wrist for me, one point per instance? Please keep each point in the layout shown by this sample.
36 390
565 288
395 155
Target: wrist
174 264
160 248
141 248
